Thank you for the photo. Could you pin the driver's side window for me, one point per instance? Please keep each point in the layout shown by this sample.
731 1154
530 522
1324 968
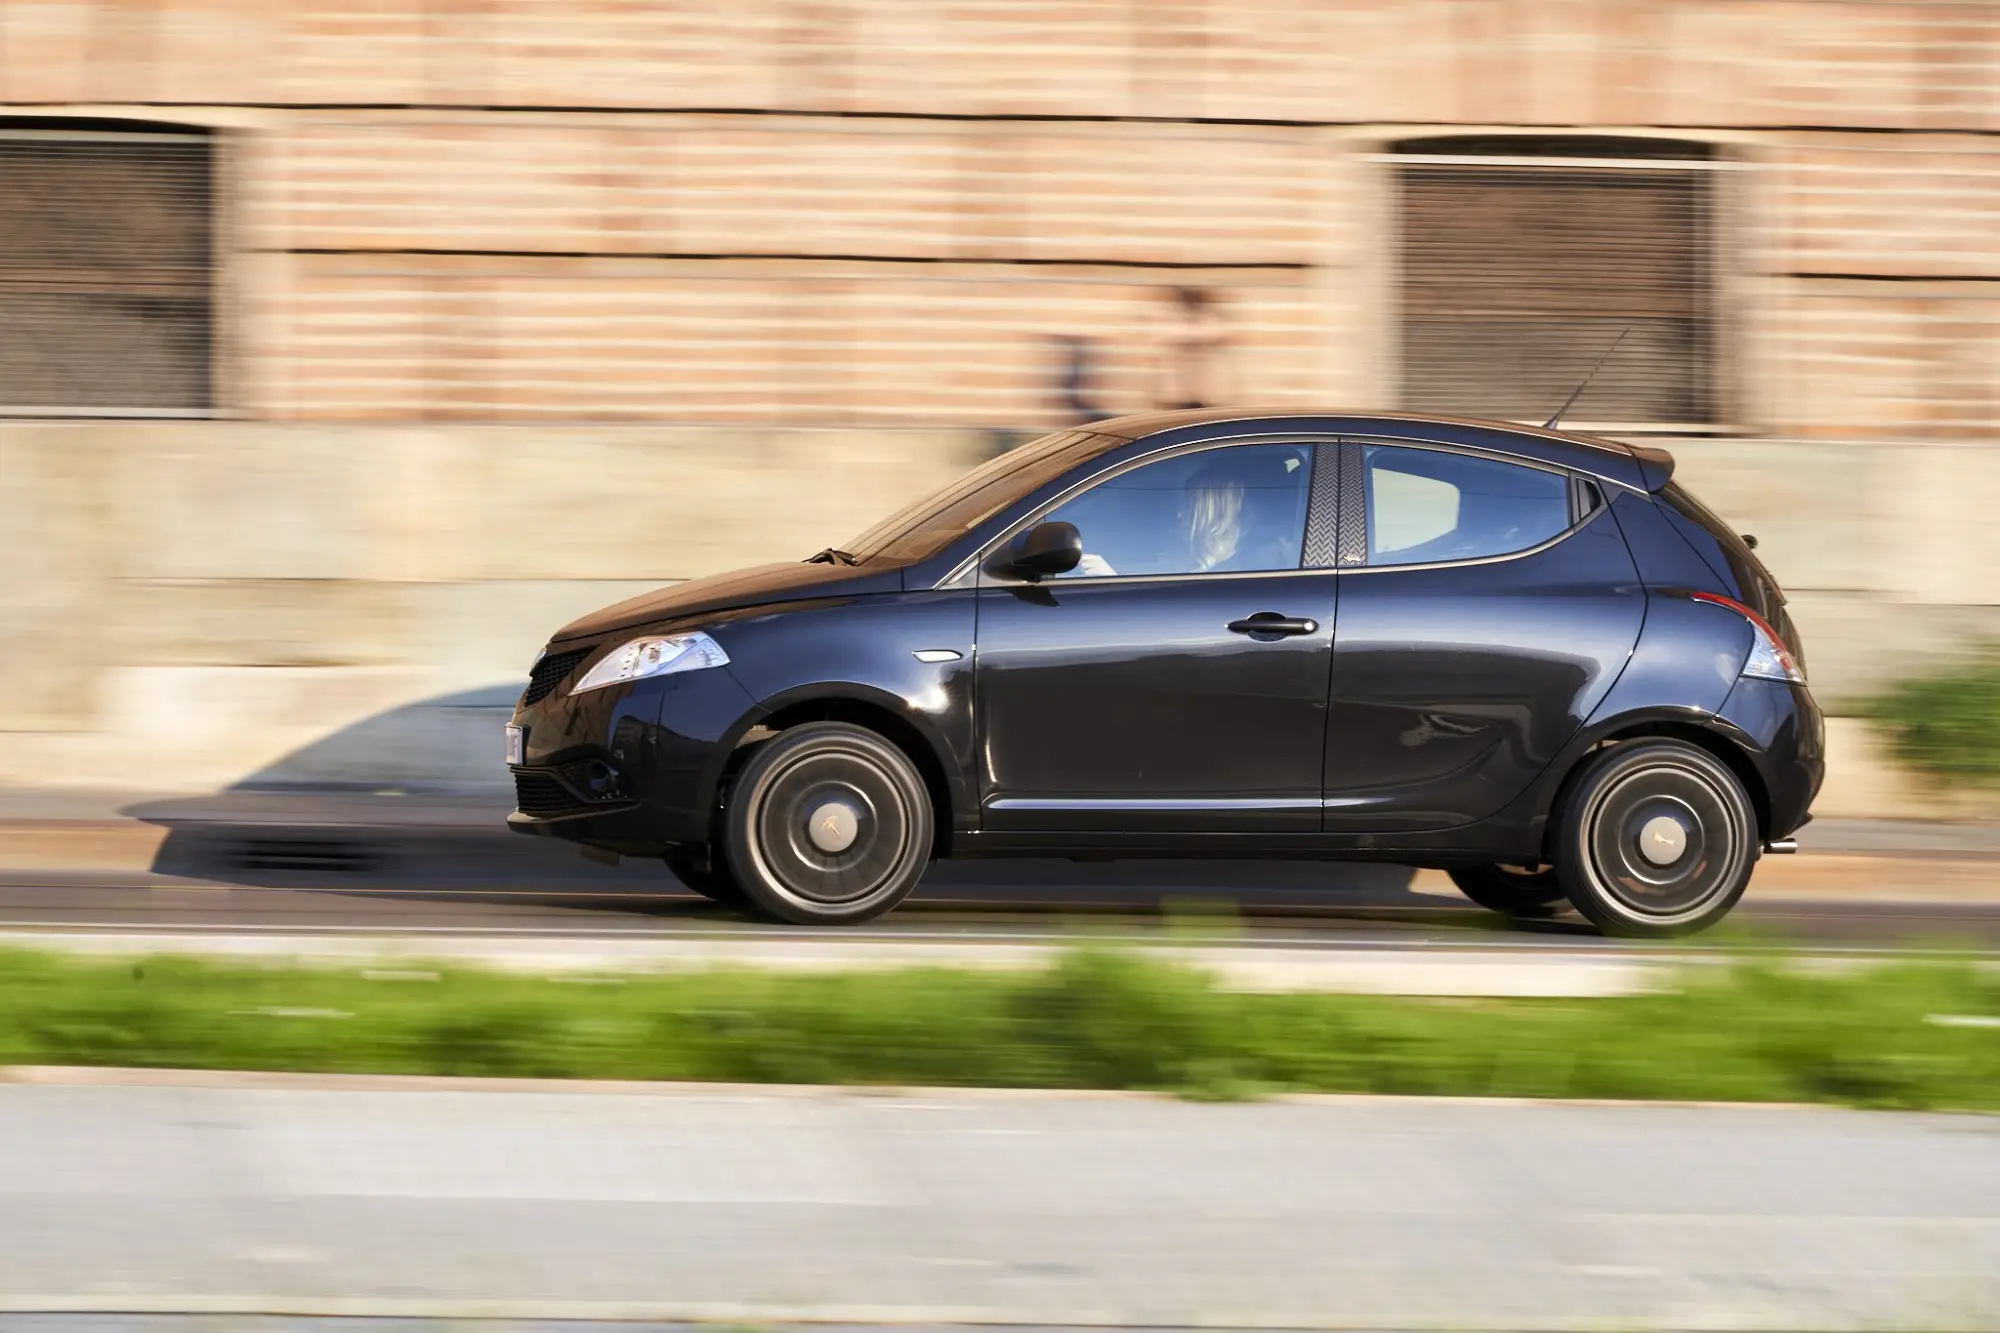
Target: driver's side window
1428 505
1238 509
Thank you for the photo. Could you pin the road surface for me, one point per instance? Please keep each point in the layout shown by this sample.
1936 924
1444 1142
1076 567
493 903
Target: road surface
308 1196
252 862
1335 906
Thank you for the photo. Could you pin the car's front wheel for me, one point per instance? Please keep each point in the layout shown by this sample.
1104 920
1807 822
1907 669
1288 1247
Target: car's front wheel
828 824
1656 838
1513 890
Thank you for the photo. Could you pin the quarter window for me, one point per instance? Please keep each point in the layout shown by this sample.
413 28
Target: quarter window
1425 506
1240 509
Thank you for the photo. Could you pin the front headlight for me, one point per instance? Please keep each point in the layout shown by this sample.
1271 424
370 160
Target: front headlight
654 655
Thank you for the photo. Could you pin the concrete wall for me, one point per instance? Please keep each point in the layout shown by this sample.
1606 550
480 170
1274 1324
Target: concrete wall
194 605
189 606
1889 552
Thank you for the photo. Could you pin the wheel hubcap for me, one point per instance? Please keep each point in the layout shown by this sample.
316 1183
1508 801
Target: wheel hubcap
1665 840
833 826
1662 840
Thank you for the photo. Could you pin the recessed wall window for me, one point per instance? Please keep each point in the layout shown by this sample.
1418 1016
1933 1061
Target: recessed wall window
1524 257
106 270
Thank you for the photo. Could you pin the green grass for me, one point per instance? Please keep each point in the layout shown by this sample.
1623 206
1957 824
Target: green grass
1753 1031
1946 724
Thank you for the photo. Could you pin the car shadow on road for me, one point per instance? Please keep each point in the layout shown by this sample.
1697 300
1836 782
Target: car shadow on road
359 825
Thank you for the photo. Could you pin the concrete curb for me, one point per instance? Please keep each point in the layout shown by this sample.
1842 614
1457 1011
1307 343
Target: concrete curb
1457 971
131 1076
695 1316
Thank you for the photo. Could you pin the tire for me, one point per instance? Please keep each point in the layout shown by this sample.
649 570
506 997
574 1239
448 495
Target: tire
1510 889
712 881
1634 876
876 817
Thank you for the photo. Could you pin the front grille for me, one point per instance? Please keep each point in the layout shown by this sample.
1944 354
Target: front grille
540 795
550 672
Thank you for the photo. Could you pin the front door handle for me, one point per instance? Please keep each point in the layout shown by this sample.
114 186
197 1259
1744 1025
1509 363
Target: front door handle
1270 622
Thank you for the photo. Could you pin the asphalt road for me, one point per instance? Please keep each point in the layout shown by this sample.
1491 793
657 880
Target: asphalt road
308 1196
1346 906
298 861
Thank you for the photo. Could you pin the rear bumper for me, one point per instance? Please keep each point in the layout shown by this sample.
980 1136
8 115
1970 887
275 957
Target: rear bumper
1787 738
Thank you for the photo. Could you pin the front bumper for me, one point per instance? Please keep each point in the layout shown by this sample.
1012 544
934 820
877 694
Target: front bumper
631 768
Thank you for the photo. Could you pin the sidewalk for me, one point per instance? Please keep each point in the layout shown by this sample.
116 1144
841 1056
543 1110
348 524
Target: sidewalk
133 1192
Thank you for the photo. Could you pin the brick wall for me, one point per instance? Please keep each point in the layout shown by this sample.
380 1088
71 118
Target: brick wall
865 211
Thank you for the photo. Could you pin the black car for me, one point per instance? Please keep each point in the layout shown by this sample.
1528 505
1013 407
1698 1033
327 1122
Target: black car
1523 656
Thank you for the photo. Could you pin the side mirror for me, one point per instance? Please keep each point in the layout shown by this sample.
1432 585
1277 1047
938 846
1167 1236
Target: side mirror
1045 550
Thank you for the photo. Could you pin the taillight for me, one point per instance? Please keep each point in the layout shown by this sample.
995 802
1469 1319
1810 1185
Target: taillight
1769 658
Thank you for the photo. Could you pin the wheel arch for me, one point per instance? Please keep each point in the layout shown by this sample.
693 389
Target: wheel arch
861 706
1717 736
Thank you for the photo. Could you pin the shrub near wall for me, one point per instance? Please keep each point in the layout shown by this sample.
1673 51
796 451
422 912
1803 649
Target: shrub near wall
1947 725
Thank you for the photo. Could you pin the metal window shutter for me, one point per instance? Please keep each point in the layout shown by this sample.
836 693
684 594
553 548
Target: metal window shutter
105 272
1515 279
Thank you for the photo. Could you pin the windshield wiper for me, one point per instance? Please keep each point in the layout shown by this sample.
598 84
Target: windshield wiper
833 555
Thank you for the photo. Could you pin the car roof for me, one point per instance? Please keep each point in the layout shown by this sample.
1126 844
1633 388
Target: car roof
1585 453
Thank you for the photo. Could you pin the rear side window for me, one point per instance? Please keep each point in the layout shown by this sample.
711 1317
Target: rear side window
1427 506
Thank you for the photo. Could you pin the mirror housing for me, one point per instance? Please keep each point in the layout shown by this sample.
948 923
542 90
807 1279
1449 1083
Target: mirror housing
1045 550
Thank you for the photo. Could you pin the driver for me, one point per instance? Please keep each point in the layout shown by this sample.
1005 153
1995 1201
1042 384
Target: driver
1213 512
1214 531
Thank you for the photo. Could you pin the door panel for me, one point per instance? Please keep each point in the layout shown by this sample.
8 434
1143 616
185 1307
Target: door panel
1454 686
1130 705
1149 689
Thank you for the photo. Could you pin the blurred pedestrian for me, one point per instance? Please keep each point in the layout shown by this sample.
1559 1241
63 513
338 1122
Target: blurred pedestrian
1076 380
1193 368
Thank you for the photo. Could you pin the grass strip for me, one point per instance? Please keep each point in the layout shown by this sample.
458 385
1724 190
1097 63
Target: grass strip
1757 1030
1946 724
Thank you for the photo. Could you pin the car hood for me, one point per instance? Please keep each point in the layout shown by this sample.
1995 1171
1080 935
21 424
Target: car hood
760 585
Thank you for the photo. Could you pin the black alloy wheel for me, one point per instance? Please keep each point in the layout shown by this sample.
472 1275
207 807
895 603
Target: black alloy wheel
828 824
1512 890
707 876
1656 838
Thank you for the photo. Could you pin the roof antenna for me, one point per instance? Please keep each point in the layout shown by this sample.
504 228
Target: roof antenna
1550 424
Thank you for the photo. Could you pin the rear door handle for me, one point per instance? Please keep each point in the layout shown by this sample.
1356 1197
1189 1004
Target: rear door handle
1270 622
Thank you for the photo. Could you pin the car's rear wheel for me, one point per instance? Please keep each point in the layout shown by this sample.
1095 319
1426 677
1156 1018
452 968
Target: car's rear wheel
1656 838
1514 890
828 824
706 875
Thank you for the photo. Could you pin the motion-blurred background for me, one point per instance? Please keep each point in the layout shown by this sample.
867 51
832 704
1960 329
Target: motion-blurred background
349 346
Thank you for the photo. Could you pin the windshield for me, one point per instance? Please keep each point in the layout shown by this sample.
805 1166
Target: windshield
921 530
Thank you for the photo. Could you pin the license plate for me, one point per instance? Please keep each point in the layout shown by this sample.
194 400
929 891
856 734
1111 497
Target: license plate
517 744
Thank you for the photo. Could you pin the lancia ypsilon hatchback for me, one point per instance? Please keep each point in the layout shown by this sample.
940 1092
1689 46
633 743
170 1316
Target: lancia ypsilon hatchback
1526 657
